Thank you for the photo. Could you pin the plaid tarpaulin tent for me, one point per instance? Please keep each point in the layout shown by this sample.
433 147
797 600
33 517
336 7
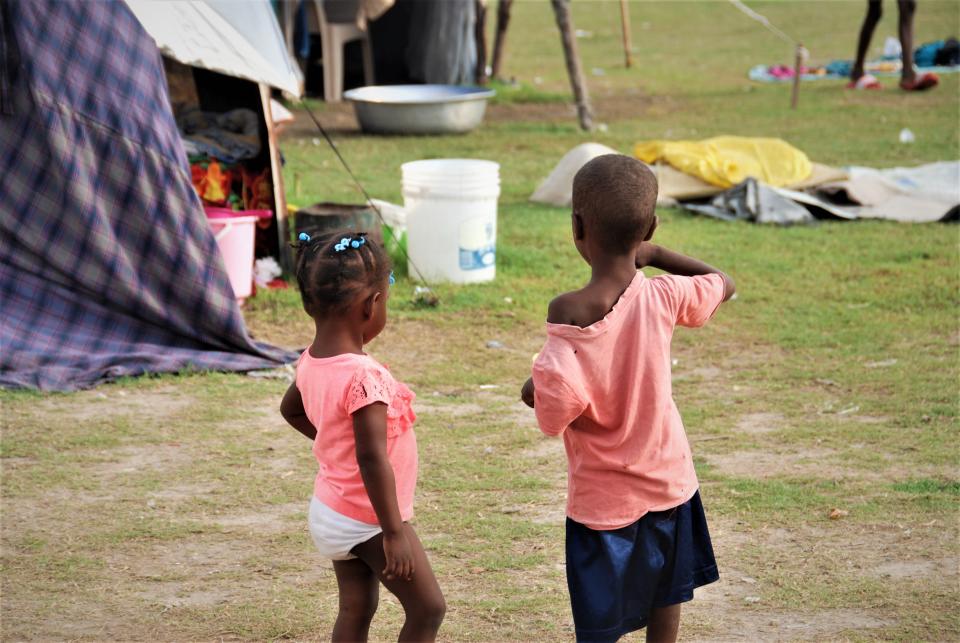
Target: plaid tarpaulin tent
108 267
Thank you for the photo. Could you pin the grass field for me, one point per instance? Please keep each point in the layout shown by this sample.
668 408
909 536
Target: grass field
173 508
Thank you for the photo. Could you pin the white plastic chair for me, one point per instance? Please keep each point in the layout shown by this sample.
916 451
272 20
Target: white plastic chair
334 36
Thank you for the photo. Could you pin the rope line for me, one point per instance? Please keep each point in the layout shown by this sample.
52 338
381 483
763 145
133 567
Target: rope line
363 190
764 21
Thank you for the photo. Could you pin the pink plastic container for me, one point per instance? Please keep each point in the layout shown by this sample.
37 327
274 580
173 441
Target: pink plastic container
227 213
235 236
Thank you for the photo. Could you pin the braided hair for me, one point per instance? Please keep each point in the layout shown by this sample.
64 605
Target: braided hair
331 274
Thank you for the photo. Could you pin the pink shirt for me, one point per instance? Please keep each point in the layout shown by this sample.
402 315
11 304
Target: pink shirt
607 389
333 388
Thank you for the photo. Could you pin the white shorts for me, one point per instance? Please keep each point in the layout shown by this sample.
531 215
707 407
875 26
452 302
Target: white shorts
335 534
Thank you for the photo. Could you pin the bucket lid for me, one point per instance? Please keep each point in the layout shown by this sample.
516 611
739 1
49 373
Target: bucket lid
464 176
453 180
447 167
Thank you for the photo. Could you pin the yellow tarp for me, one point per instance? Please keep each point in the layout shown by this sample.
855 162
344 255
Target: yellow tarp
727 160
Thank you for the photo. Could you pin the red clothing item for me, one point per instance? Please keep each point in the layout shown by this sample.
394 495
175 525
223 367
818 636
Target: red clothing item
333 388
607 389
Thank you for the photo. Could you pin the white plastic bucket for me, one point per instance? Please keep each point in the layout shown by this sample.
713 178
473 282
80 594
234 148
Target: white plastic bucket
235 237
451 207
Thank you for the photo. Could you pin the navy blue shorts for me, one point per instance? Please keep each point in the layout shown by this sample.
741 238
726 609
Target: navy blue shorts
616 577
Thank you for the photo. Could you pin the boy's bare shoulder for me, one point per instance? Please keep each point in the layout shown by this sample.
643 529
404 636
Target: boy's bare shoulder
568 308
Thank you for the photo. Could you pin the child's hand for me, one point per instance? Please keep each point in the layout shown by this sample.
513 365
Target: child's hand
526 393
399 557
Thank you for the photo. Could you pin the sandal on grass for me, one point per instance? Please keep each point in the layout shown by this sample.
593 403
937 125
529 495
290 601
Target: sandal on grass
928 80
867 81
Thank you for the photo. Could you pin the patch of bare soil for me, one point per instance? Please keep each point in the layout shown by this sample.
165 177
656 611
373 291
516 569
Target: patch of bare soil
608 107
212 569
698 373
765 625
458 410
732 609
110 402
266 519
768 464
914 569
335 117
546 448
156 457
759 423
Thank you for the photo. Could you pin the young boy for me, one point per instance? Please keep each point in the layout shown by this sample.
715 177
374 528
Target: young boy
636 538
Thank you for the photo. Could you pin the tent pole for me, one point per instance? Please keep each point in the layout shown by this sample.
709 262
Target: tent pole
561 9
276 174
625 25
480 34
500 41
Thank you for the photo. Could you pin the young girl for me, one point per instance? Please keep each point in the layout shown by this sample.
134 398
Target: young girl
360 420
637 539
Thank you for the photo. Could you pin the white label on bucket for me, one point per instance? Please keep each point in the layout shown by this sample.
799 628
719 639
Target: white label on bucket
478 244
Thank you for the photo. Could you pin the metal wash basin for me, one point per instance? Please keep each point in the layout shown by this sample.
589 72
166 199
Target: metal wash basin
419 109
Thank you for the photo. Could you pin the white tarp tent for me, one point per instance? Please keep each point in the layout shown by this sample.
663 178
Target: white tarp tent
239 38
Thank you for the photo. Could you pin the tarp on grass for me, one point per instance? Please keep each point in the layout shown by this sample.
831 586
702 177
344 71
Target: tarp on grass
726 161
108 267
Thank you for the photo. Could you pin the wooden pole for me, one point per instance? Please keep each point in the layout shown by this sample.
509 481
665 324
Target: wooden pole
625 24
500 41
561 8
480 34
798 59
276 174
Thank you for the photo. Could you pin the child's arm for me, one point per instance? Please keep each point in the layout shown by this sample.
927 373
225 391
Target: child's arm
291 408
370 434
526 393
678 264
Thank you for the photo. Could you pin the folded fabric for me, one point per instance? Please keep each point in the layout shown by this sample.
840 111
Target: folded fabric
230 136
919 194
725 161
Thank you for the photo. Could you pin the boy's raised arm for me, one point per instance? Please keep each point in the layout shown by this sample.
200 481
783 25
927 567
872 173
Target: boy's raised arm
675 263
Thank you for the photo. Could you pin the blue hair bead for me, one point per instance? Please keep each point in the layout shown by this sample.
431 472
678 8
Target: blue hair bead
355 244
393 279
304 237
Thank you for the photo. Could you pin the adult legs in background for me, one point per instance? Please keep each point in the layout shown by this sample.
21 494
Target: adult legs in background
907 9
874 12
421 598
359 597
663 624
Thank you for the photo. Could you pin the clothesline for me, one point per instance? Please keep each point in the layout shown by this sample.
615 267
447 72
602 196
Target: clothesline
764 21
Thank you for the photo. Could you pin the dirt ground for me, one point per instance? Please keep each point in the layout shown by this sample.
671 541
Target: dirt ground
162 540
340 118
204 570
